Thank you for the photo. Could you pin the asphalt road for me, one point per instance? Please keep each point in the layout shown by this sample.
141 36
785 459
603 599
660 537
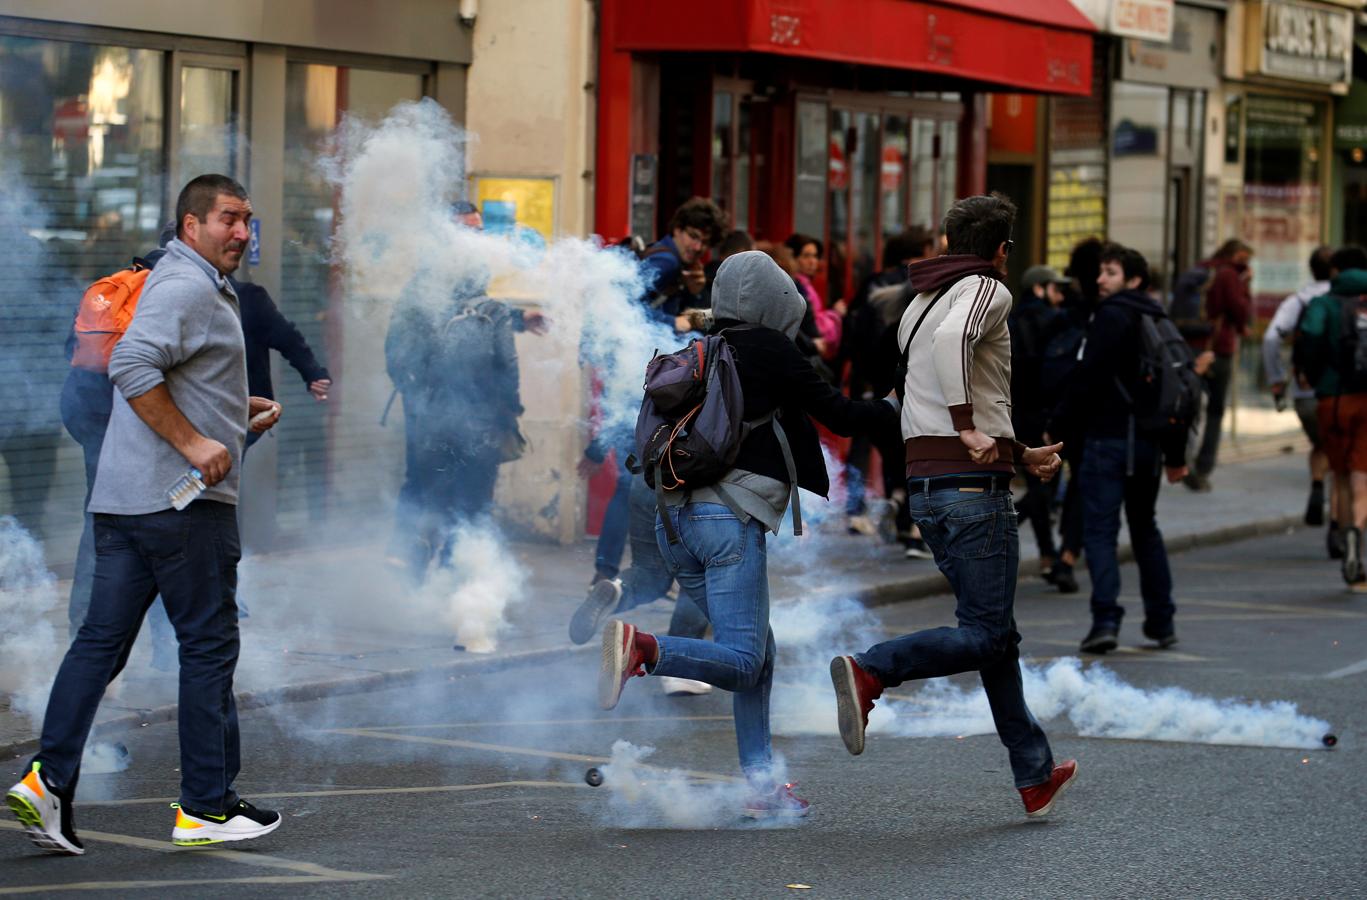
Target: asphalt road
475 787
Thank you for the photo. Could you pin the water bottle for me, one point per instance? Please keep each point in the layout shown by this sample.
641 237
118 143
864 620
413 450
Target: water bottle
187 488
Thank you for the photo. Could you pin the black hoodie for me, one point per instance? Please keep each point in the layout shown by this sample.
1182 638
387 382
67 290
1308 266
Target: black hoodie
1093 405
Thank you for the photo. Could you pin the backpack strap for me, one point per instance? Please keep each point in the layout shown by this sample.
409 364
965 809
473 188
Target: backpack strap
905 365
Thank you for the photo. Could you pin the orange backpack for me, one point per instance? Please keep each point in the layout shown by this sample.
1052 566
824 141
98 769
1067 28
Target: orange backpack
104 314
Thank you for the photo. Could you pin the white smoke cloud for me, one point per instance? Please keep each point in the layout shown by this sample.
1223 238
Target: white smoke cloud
482 582
641 795
29 647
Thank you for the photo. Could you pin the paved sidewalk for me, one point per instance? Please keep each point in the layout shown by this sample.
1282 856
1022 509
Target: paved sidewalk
334 619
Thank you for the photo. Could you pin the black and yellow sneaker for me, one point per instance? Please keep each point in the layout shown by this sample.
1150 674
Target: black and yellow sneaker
240 823
45 814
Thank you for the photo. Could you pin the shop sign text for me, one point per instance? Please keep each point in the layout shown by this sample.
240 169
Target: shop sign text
1307 43
1147 19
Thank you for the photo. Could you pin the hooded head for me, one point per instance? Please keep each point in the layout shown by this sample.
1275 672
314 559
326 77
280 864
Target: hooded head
751 288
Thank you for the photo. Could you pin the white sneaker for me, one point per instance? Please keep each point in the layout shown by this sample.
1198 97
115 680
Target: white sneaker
682 687
240 823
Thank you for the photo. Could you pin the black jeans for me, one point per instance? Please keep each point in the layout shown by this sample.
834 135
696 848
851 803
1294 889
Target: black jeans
190 557
444 486
1217 388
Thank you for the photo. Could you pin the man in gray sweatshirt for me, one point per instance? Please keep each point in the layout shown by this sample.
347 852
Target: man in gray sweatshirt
181 403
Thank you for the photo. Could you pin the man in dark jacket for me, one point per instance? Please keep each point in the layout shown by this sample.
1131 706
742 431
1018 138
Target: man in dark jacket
265 329
1121 466
672 266
1229 307
1037 318
720 555
454 362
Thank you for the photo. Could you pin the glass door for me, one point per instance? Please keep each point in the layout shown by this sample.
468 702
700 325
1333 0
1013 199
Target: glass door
206 117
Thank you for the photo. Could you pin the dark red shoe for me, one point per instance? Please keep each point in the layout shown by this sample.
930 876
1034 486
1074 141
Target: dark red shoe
1039 799
622 659
855 691
781 803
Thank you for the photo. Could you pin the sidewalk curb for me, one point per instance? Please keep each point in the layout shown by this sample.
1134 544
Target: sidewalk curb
916 588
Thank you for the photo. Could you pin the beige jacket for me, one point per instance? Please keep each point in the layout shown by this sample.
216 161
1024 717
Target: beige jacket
958 376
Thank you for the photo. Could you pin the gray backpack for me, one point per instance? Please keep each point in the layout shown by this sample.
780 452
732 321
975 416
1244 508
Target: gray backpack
690 427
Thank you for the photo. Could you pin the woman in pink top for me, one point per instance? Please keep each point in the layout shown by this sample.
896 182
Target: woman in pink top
807 252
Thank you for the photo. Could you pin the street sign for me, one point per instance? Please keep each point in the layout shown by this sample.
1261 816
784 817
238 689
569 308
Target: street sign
254 248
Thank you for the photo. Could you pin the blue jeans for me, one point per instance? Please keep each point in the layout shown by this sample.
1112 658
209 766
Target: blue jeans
190 557
723 564
976 546
612 539
1105 486
648 579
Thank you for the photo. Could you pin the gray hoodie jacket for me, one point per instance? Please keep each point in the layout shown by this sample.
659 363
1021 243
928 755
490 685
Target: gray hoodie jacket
187 333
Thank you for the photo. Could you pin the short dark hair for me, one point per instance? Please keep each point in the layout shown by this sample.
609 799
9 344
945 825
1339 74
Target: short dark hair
905 245
1131 262
1349 257
1231 247
979 225
737 241
198 197
799 240
1320 262
702 214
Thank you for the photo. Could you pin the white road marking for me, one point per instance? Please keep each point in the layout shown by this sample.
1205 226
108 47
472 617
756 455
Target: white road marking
1356 668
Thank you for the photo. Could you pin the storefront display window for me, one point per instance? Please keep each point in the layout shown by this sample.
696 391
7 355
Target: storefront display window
1282 198
314 471
809 200
1139 163
208 122
81 192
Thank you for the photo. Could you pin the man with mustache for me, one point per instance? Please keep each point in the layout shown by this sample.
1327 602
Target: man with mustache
181 402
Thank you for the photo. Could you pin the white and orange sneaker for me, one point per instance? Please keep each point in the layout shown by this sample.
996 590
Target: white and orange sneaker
240 823
625 655
45 814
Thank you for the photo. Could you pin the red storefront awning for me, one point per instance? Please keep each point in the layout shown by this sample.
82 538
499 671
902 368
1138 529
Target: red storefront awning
1038 46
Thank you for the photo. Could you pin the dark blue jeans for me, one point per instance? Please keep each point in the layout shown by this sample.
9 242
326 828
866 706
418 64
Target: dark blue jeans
612 539
1105 486
190 557
976 546
648 579
723 564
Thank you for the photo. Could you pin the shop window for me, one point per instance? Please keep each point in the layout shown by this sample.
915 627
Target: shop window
723 152
1139 165
1282 211
208 122
838 179
81 192
733 155
328 453
813 139
892 173
926 206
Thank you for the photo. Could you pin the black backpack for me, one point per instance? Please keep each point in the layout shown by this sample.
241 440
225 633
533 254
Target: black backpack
1352 344
1187 309
1060 357
690 427
1168 390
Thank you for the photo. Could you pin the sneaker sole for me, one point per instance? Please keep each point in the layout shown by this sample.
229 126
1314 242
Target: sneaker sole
847 705
222 837
610 673
1048 807
588 618
32 820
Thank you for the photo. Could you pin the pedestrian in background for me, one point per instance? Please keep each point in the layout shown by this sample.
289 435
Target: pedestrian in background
1036 320
1227 308
1331 349
1122 463
182 400
1282 330
961 454
454 362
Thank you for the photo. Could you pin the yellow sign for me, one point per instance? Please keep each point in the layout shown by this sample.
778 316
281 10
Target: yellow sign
532 200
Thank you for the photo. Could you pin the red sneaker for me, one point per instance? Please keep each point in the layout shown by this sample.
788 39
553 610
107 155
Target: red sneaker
782 803
622 658
1039 799
855 691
